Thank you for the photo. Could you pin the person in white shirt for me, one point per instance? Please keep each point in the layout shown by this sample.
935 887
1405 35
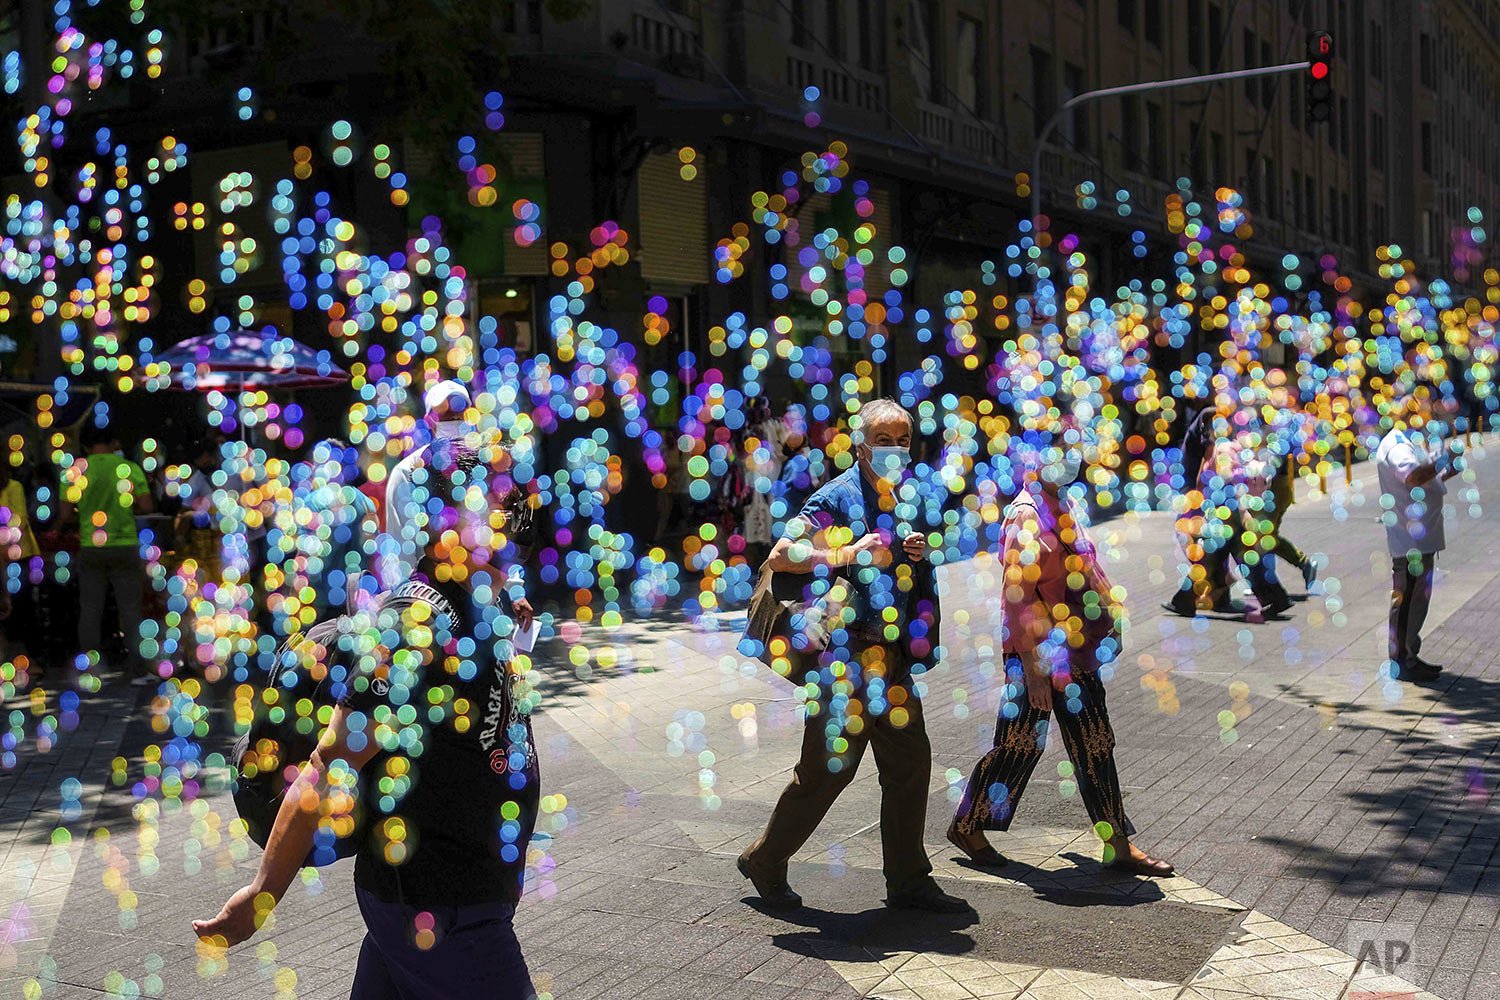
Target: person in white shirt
1413 466
445 403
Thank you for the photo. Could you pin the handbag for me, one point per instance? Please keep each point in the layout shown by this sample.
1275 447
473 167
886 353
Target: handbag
784 629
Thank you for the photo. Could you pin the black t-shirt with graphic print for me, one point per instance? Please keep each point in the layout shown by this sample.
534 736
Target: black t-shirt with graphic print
451 799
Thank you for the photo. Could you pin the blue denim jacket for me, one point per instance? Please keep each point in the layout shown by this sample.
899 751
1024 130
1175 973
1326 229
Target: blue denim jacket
883 611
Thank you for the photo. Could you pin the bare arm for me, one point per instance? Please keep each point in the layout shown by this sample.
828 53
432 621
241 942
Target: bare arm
1422 474
290 839
802 556
811 549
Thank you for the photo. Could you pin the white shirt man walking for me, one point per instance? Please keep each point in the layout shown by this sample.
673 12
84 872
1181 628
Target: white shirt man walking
445 404
1412 485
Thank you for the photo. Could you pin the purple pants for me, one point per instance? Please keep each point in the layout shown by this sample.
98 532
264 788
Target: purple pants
439 953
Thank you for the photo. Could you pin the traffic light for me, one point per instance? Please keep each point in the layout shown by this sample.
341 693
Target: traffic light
1319 85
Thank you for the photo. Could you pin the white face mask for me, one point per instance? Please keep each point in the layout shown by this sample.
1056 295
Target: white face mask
889 460
1061 465
448 429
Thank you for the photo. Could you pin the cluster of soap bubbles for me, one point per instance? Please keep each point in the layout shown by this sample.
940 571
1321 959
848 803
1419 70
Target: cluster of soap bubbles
1024 354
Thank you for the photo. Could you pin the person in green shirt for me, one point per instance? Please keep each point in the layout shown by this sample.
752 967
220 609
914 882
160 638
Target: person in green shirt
106 491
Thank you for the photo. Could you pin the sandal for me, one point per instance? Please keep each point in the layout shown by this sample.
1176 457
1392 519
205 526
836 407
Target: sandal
985 857
1148 867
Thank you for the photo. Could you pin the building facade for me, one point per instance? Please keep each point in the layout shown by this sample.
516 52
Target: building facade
939 101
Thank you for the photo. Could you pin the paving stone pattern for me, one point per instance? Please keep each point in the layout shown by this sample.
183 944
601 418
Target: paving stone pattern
1334 808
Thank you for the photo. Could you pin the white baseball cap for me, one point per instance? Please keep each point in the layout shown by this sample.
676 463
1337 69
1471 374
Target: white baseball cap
438 394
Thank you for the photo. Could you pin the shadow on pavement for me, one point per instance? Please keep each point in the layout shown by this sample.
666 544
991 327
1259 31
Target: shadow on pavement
879 930
1424 804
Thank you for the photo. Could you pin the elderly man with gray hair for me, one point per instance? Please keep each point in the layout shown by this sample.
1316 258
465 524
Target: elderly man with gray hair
847 540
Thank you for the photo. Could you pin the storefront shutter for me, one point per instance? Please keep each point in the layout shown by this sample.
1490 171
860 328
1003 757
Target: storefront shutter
673 242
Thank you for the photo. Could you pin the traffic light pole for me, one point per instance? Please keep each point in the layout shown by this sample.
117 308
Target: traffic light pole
1134 88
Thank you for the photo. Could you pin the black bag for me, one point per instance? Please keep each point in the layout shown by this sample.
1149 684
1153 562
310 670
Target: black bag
290 710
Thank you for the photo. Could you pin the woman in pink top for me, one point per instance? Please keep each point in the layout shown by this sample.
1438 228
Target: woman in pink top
1053 648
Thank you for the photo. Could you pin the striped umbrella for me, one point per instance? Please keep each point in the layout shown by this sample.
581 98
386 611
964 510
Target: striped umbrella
237 360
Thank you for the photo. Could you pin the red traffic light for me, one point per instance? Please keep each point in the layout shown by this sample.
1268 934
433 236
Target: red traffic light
1319 70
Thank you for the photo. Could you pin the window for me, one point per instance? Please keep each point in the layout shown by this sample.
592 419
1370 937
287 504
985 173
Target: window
969 58
1194 37
1270 185
1298 215
1425 60
522 18
1377 50
871 35
1155 142
1294 101
1344 125
1041 89
1215 37
833 28
1310 204
1348 218
1130 132
923 43
1153 22
1252 85
1427 147
937 86
1075 126
801 37
1333 216
1252 180
1218 165
1377 141
1125 10
1197 158
1267 83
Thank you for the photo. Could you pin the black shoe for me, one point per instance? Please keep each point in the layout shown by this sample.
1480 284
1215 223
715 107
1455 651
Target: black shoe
1187 609
1309 572
1228 607
772 889
1416 672
1280 606
931 899
1436 668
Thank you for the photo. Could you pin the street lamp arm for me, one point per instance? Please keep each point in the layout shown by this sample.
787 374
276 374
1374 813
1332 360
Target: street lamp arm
1133 88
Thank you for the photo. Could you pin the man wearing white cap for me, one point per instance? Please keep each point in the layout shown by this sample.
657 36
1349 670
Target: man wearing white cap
445 403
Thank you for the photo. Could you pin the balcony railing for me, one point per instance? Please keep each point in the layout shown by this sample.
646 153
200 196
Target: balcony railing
979 139
672 45
855 89
935 122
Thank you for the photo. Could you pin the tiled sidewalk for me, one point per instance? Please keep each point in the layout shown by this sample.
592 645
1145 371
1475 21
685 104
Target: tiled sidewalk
1309 807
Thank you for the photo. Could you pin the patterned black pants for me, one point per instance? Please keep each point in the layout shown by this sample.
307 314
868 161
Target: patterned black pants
1000 777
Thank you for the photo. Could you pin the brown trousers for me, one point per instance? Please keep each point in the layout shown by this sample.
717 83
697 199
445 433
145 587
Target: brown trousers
830 756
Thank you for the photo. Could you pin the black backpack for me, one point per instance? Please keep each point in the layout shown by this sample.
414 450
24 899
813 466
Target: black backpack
292 705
